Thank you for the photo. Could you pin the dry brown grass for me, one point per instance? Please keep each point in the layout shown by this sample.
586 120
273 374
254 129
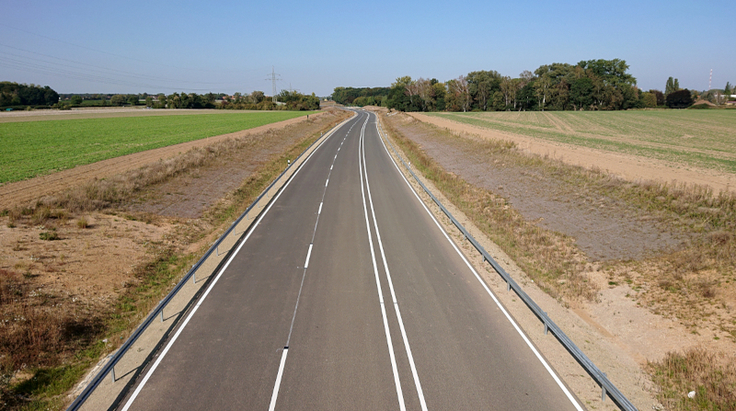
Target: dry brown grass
711 377
549 258
37 329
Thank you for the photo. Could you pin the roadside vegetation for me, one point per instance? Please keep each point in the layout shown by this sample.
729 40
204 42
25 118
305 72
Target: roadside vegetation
689 283
34 148
48 342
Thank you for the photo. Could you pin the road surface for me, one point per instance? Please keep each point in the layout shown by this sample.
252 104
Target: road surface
347 295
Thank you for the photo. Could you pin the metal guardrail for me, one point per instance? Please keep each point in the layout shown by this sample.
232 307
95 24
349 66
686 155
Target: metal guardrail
607 387
109 367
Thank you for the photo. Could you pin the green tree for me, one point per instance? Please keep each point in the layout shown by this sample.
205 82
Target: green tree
728 89
671 86
679 99
649 100
76 100
118 99
581 93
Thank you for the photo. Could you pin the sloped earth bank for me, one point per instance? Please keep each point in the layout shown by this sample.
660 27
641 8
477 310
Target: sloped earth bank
98 256
615 330
626 166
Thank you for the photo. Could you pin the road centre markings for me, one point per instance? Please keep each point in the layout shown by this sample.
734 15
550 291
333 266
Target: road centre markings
485 286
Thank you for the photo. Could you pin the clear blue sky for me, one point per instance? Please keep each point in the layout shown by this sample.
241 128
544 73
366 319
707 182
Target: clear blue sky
135 46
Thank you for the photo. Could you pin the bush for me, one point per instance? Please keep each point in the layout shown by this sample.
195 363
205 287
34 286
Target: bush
679 99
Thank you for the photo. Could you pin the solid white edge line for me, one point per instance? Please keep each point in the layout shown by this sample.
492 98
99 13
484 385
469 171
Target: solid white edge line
309 254
276 386
320 208
407 347
222 270
386 330
485 286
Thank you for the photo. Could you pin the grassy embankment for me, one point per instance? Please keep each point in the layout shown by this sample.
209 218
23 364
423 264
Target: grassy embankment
683 282
57 347
37 148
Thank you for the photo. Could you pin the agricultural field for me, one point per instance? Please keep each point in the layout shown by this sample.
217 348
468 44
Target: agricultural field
35 148
698 138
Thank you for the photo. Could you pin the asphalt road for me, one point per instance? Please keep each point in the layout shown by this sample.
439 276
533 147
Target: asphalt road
348 296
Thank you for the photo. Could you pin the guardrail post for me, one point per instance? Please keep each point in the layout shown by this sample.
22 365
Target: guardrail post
603 393
162 315
112 372
508 285
194 277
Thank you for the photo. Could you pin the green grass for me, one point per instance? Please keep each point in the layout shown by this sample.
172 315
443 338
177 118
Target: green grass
31 149
700 138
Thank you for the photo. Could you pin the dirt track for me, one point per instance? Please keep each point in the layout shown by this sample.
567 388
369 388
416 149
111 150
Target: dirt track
22 192
628 167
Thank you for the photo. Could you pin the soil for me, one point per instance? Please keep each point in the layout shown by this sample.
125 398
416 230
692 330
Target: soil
604 228
628 167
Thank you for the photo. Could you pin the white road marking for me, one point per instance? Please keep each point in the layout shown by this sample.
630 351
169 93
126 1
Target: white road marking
488 290
327 182
387 332
320 208
405 338
276 386
309 254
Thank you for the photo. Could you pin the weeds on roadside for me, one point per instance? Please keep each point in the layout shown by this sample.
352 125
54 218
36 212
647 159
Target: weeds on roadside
550 259
710 378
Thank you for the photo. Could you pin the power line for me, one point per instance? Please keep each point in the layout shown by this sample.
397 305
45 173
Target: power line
273 83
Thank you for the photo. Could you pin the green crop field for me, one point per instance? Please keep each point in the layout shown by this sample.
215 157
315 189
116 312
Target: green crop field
700 138
33 148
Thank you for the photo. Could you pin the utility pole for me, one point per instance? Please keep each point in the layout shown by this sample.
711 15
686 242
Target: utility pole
273 79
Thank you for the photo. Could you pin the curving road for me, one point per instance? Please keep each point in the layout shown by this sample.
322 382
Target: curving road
347 295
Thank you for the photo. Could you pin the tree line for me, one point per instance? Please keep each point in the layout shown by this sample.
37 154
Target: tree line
257 100
587 85
23 95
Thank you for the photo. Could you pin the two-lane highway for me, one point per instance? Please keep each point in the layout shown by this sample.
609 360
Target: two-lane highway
347 294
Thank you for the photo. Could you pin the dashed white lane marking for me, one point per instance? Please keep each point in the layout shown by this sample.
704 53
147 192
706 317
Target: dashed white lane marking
309 254
276 386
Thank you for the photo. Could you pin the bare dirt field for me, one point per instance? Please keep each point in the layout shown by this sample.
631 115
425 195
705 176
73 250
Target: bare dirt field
627 166
633 318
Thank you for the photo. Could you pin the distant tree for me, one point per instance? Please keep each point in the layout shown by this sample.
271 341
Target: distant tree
649 100
679 99
118 99
149 101
671 86
581 93
76 100
257 96
132 99
728 89
659 96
